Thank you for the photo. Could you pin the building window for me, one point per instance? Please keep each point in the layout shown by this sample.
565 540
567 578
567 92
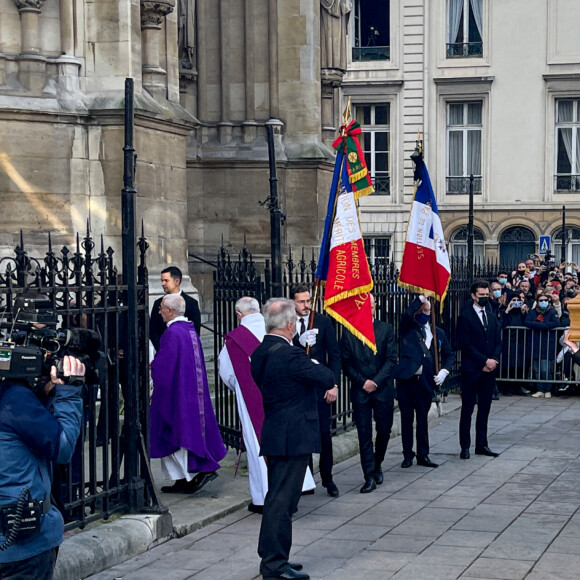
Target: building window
572 245
515 245
377 251
371 30
464 126
567 145
458 243
464 28
376 143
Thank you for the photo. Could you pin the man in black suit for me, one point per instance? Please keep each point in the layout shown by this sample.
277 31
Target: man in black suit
479 336
324 349
416 378
289 382
171 281
372 391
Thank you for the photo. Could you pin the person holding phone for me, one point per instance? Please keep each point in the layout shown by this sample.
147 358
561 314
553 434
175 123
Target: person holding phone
513 351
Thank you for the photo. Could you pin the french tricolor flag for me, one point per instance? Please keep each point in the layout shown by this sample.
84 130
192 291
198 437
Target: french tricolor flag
425 268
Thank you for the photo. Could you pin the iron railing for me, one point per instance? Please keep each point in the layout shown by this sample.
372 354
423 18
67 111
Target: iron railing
243 276
464 49
86 291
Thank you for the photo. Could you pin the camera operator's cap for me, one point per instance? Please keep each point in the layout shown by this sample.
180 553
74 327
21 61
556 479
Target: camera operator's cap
33 307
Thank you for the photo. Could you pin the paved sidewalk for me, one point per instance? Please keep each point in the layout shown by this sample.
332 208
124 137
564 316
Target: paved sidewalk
512 517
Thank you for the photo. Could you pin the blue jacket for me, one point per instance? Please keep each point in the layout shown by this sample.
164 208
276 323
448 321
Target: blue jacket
32 437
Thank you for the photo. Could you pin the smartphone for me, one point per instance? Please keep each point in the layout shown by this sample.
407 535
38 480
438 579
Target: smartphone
517 304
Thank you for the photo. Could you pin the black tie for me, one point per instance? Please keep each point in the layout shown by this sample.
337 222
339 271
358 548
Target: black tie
423 332
484 319
302 327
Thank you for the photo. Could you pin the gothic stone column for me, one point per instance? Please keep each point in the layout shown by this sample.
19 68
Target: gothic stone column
32 73
153 12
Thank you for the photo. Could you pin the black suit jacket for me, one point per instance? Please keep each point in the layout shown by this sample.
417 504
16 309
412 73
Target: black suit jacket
414 353
476 344
288 380
156 325
326 350
360 363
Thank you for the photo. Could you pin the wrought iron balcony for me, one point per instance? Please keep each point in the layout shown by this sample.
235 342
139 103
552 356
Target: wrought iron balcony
567 182
382 185
460 185
465 50
367 53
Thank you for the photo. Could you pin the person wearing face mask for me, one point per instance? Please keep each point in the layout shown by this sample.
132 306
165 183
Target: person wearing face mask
502 278
542 320
495 298
513 351
479 336
417 379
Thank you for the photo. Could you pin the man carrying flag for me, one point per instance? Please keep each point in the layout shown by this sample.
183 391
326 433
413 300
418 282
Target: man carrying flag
425 269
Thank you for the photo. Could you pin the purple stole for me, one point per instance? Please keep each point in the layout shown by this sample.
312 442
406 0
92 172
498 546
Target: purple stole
241 344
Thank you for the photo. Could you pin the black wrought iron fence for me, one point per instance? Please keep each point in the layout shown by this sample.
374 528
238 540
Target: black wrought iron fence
236 277
86 291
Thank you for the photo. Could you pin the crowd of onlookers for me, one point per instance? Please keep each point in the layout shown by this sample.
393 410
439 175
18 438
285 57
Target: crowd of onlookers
532 304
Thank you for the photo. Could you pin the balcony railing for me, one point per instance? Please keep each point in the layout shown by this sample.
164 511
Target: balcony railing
567 182
382 185
366 53
465 50
460 185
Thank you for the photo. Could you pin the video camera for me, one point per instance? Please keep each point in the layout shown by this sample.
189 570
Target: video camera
34 345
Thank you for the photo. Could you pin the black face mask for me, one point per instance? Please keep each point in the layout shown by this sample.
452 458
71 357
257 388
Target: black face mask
521 272
482 301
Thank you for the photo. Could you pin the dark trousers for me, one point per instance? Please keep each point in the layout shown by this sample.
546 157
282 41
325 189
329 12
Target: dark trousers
326 459
285 479
414 404
39 567
476 388
364 406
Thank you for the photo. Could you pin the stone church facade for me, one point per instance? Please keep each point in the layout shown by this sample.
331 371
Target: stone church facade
210 75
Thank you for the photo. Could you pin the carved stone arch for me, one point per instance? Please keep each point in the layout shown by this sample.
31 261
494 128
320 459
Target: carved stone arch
520 221
458 222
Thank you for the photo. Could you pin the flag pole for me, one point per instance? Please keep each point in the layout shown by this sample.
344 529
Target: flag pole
318 281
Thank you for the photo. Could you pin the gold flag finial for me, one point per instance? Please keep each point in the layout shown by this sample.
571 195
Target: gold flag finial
346 114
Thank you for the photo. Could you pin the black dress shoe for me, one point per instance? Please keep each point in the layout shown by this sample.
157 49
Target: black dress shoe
370 485
464 454
295 565
378 477
331 488
290 574
199 481
426 462
485 451
177 487
407 462
255 509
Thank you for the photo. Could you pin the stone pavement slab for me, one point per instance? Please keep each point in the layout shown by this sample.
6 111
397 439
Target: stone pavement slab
512 517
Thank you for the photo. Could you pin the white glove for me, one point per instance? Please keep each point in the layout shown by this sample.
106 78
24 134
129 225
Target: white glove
440 377
314 361
308 337
422 298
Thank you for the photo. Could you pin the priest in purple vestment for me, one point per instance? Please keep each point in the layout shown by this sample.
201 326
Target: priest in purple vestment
183 429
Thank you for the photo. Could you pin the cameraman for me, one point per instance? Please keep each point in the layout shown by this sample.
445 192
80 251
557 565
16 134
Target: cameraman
37 428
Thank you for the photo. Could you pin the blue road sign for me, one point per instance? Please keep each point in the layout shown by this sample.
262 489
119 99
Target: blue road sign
545 244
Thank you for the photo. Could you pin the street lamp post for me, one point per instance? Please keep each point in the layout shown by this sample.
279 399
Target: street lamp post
564 236
470 233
